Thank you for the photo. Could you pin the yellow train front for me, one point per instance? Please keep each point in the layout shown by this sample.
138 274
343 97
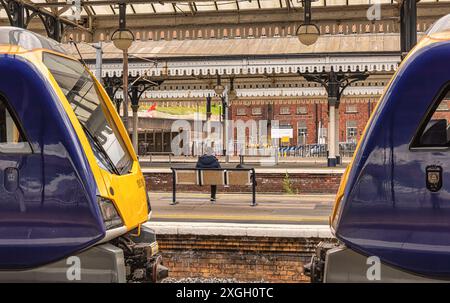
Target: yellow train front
72 195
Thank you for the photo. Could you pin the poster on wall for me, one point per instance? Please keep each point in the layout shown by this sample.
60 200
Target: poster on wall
278 133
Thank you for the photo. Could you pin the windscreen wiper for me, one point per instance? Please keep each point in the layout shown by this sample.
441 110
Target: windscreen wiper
101 149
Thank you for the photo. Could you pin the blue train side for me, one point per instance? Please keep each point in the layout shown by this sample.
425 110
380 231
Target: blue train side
53 212
387 209
394 200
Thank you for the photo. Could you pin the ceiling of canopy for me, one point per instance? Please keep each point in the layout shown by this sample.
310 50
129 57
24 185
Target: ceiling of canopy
110 7
102 9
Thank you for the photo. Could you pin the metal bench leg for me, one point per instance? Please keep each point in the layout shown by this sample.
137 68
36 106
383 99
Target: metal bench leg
254 189
213 193
174 189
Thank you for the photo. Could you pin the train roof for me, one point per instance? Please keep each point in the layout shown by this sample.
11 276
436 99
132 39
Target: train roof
438 32
27 40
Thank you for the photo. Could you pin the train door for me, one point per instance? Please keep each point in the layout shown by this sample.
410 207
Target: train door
20 180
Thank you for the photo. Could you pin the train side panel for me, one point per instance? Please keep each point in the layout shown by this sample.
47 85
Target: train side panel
387 210
48 194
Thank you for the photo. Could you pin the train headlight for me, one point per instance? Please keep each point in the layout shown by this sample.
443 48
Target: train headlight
111 217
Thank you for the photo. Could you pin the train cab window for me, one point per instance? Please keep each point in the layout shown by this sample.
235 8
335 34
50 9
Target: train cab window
435 132
90 109
11 138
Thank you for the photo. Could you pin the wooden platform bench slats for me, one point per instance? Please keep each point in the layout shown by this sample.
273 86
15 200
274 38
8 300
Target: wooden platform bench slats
214 176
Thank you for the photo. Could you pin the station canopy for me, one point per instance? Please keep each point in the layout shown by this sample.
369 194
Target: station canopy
110 7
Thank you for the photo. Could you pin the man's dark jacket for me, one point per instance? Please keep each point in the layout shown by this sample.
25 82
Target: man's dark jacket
206 161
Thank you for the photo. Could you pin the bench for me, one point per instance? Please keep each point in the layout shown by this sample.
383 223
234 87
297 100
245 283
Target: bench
214 176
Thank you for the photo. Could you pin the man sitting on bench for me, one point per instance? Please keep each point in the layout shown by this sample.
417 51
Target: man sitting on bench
208 160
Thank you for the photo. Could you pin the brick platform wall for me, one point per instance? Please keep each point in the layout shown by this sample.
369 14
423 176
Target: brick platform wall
301 183
242 258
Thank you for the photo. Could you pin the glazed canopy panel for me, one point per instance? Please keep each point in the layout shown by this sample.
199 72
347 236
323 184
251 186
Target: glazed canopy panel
109 7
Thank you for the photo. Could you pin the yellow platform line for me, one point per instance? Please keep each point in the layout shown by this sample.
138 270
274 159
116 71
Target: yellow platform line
241 218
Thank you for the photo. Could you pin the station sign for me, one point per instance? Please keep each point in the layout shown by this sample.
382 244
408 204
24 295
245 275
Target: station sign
278 133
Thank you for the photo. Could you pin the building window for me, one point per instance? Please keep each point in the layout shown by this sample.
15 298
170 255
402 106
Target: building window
302 110
351 109
352 131
241 111
256 111
285 110
302 133
443 106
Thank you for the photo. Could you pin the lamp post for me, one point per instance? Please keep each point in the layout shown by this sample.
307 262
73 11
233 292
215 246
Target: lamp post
122 39
135 107
98 61
307 32
221 91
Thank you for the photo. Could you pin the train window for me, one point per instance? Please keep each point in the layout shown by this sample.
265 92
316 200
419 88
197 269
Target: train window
435 132
27 39
91 111
11 138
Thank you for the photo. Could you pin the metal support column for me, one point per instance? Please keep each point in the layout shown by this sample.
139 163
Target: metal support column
331 134
408 26
125 89
225 125
135 107
335 84
208 108
98 61
337 151
122 25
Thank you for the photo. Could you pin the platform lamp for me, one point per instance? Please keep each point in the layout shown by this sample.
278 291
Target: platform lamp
219 88
307 32
122 39
232 95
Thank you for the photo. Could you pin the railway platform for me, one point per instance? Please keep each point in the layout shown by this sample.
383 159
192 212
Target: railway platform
234 208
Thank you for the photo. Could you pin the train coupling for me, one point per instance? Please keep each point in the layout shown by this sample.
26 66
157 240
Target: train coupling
315 269
143 262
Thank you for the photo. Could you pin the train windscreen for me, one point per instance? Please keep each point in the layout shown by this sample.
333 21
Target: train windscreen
28 40
90 109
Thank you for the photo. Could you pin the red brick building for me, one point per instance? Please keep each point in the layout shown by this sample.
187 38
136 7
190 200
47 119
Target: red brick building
308 118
